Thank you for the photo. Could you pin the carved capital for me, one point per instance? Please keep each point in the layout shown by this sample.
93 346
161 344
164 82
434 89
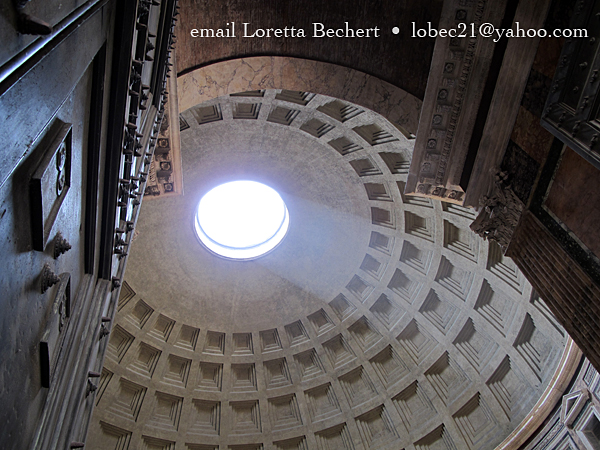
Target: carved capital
500 214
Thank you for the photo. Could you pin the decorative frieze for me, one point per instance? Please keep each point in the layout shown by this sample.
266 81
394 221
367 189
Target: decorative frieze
455 88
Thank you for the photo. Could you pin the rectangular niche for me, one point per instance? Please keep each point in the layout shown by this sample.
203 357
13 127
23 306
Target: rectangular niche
277 373
188 338
437 439
417 342
504 267
381 242
378 192
477 347
389 366
206 418
316 128
364 333
383 217
296 333
495 307
377 429
357 387
125 295
365 167
115 437
461 241
245 417
509 387
128 400
337 437
342 307
242 344
183 124
177 371
590 429
49 185
242 447
167 412
298 97
340 111
269 341
455 279
396 162
215 343
447 378
404 287
210 377
388 313
419 226
439 311
321 322
140 314
414 407
418 259
374 135
373 267
535 348
297 443
339 352
343 145
322 403
105 378
207 114
119 343
243 378
162 328
284 412
467 213
282 116
476 422
309 364
360 288
246 110
146 361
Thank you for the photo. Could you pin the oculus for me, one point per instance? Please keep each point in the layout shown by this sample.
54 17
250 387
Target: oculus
241 219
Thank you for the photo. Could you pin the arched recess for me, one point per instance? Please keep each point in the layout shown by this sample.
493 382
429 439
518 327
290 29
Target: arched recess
296 74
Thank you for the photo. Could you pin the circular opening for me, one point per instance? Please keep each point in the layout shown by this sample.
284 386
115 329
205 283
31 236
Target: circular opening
241 219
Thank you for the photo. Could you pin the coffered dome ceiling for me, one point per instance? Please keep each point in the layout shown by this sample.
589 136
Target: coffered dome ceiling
380 321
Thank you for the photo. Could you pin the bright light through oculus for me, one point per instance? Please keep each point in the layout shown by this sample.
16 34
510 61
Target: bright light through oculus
241 219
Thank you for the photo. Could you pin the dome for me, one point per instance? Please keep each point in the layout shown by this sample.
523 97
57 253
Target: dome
380 321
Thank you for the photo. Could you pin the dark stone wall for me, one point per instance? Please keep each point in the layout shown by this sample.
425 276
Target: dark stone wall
528 134
50 11
55 91
574 198
557 243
